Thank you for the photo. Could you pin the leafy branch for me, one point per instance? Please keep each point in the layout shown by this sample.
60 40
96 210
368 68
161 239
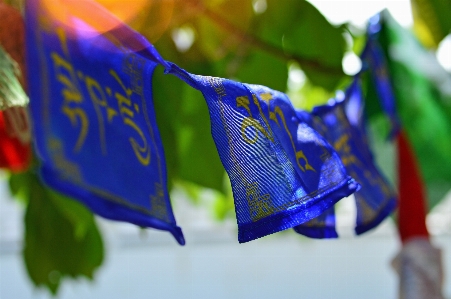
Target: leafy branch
262 44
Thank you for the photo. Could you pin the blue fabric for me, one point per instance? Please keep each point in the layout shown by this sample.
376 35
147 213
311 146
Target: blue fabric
342 124
93 118
373 59
321 227
282 172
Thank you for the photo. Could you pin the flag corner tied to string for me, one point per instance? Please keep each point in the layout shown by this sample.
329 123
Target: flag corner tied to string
91 104
282 172
342 123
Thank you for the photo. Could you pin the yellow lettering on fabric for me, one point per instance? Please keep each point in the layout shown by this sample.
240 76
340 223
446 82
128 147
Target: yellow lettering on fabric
66 75
127 111
158 204
260 206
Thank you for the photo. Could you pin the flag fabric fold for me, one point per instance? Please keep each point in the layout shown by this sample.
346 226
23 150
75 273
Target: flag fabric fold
282 172
341 122
321 227
93 119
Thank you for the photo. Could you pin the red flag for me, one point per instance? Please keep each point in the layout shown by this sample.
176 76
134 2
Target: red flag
419 263
14 155
412 200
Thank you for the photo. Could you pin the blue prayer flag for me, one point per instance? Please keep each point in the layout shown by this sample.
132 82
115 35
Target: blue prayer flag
373 59
282 172
321 227
342 123
93 119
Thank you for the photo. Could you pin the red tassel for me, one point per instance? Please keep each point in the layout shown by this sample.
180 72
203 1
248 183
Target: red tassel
412 200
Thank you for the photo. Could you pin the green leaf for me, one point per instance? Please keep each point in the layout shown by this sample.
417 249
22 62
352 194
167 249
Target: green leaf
167 91
193 191
211 40
301 30
215 38
78 215
198 157
18 185
184 124
264 69
312 96
328 82
61 238
223 207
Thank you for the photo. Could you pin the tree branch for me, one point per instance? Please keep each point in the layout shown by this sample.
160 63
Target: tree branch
261 44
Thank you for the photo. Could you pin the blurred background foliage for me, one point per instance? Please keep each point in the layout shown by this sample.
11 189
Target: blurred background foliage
286 45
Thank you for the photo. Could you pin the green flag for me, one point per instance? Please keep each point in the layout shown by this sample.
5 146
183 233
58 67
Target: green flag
422 91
